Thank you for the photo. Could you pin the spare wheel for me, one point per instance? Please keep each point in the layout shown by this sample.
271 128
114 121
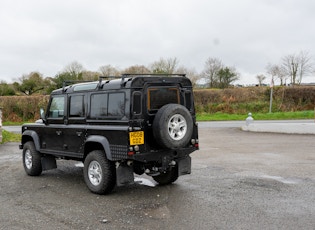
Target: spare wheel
173 126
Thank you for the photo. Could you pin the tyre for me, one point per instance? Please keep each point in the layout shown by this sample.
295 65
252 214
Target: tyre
167 177
173 126
99 173
31 159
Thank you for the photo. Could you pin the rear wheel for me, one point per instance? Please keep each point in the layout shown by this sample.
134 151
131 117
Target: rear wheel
31 159
168 177
99 173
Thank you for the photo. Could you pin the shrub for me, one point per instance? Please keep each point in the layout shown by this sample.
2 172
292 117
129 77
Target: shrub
22 108
255 99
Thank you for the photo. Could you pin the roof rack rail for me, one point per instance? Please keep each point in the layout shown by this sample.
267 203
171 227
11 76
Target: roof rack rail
150 74
155 74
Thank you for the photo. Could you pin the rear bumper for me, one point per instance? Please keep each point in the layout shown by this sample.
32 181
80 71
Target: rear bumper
162 156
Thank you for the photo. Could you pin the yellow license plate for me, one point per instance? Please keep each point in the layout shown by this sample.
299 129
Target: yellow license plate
136 138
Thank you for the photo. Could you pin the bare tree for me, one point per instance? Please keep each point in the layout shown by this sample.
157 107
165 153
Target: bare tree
75 69
277 71
109 71
260 78
90 75
211 70
137 69
165 66
190 73
306 66
296 66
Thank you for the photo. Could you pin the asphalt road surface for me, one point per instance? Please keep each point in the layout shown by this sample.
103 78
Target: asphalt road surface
239 180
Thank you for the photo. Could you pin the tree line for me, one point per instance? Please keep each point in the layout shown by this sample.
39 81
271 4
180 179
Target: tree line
217 75
291 69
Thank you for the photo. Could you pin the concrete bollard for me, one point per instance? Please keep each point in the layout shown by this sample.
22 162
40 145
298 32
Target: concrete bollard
0 124
249 119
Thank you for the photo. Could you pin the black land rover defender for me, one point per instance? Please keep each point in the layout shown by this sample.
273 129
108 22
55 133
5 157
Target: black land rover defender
135 124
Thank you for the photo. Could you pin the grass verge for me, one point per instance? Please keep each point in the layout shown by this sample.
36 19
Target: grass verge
10 137
257 116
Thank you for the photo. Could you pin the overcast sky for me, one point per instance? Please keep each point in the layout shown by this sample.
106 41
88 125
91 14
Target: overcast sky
45 36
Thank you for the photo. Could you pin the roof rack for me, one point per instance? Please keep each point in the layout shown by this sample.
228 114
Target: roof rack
123 76
155 74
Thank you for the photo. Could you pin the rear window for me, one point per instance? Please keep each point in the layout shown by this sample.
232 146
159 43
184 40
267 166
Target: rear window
157 97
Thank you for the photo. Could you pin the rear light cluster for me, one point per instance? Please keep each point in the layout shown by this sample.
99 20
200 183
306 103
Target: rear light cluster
195 142
133 150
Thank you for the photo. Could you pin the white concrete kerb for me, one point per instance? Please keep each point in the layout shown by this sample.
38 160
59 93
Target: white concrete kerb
289 128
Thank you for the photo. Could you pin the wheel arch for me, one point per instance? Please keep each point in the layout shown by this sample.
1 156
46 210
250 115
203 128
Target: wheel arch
31 135
96 142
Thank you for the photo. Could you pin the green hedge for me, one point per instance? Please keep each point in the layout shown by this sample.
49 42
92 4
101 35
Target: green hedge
232 100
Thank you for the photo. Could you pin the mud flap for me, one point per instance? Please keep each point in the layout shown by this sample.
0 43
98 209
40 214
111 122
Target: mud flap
48 162
124 175
184 166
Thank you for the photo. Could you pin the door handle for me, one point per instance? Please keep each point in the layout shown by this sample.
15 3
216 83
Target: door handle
79 134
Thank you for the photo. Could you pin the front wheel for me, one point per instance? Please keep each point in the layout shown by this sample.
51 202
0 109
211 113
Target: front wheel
168 177
31 159
99 173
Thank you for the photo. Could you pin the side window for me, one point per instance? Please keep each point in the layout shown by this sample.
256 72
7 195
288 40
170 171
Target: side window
188 100
116 104
56 109
77 106
98 106
107 105
136 103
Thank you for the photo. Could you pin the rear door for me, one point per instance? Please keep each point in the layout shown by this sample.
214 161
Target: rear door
75 131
